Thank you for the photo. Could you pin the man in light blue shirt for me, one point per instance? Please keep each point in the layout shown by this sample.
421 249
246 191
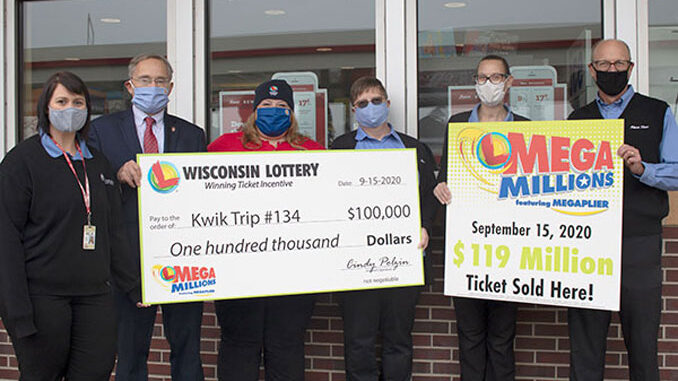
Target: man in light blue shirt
650 154
391 310
662 175
390 140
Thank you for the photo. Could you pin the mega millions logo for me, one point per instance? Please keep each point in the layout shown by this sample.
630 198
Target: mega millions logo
163 177
186 280
518 166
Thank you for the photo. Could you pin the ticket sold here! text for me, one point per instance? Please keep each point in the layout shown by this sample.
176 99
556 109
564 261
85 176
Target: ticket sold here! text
238 225
536 212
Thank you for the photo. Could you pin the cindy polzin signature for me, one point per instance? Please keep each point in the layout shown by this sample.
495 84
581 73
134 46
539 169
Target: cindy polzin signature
370 265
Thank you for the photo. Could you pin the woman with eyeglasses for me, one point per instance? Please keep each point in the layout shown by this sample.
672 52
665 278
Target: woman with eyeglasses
63 244
276 325
486 328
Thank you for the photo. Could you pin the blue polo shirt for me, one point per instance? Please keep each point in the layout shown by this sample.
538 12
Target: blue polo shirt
662 175
391 140
54 151
473 118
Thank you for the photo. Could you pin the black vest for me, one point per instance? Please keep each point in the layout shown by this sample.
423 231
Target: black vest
644 206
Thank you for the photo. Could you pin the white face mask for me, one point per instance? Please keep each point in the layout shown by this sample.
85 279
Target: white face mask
490 94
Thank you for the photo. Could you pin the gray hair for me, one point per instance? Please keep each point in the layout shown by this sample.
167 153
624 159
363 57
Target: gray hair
146 56
600 42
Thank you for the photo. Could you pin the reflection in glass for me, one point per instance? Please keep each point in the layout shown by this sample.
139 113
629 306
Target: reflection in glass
548 48
320 47
95 39
663 31
663 45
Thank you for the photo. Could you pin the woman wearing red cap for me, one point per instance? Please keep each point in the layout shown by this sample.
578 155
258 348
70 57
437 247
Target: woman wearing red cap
272 126
276 324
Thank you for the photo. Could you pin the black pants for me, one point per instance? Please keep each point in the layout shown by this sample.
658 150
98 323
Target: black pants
182 322
365 313
75 339
276 324
486 329
639 313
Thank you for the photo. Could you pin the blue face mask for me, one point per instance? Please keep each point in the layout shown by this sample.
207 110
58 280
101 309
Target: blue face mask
273 121
371 116
150 100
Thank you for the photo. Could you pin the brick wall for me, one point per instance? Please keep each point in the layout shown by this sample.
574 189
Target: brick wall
541 344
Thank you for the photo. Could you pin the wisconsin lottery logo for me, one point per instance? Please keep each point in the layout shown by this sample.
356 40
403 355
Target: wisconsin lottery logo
163 177
186 280
514 166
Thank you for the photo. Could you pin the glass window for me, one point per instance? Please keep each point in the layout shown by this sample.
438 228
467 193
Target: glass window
95 39
663 36
320 47
547 44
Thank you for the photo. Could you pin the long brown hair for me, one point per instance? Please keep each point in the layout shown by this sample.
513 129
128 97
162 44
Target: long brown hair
252 140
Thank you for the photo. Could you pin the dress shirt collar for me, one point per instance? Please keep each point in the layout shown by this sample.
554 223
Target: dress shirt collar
140 116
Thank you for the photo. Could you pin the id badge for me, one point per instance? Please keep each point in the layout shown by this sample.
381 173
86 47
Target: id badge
89 235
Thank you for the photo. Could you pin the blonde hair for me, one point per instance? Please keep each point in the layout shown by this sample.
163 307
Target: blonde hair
252 140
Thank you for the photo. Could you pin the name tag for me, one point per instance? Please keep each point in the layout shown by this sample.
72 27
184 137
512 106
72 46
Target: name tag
89 233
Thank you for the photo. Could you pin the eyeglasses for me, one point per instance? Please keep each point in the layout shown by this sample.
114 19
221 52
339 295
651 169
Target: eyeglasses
603 65
147 81
375 101
495 78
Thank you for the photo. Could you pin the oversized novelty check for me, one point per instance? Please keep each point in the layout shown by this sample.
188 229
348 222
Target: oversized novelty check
536 212
238 225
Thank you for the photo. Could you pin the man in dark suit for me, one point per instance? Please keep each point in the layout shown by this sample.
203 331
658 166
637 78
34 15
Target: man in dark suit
147 128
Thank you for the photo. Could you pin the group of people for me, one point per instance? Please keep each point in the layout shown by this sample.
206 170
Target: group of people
69 266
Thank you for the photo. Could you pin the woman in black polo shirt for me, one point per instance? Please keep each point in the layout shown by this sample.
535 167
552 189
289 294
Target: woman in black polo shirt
486 328
62 244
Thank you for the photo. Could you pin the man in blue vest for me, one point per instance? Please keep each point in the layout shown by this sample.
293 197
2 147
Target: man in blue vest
650 154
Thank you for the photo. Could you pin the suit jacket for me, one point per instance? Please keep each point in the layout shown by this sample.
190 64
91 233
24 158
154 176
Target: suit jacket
115 135
427 181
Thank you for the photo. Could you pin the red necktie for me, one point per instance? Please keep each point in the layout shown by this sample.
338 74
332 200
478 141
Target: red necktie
150 142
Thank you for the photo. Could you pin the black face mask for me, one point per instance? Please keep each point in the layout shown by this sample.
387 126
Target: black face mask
612 82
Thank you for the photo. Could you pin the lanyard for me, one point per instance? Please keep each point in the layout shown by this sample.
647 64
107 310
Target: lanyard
85 190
